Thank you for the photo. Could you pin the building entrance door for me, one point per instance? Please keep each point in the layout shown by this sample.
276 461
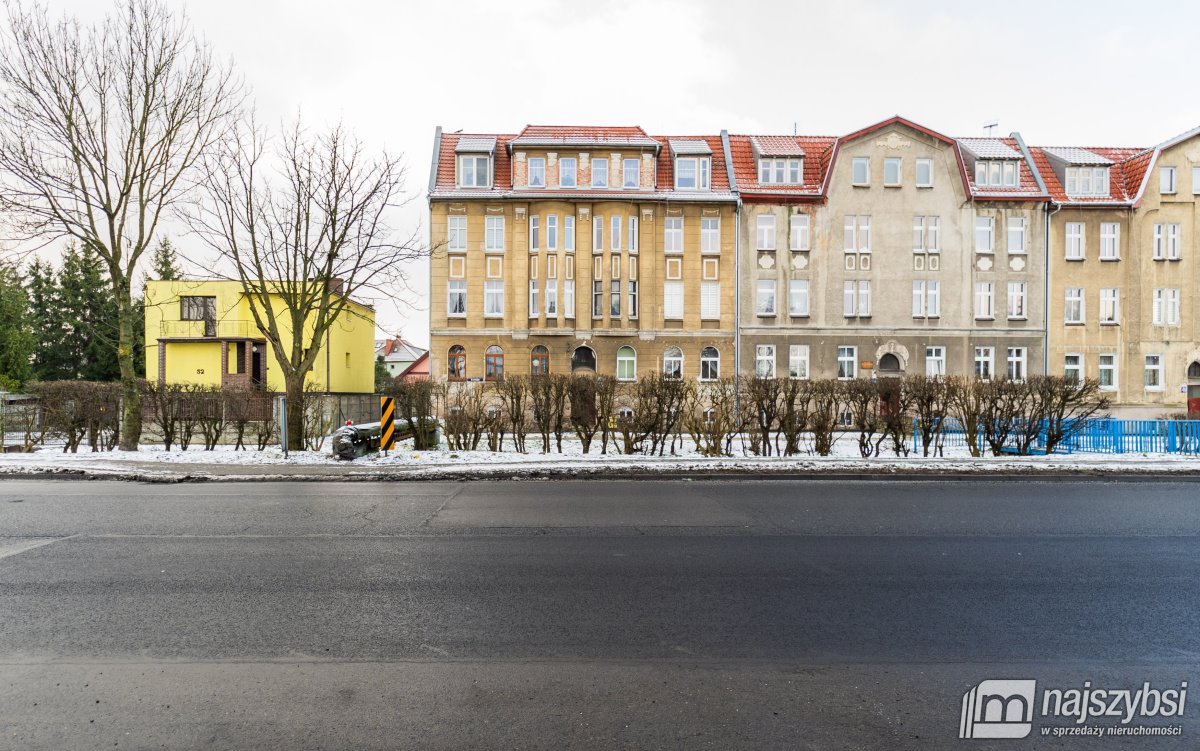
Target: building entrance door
1193 391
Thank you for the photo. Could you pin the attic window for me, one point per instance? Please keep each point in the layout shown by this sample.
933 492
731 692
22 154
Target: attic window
781 171
691 173
1087 181
996 173
474 171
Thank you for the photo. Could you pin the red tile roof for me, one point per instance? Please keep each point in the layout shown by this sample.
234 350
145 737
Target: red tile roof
818 153
719 177
1124 178
1027 184
446 163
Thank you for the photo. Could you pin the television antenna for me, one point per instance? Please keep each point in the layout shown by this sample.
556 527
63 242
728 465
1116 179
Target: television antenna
990 127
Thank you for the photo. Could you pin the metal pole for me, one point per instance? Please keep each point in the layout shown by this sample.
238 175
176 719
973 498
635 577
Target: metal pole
283 431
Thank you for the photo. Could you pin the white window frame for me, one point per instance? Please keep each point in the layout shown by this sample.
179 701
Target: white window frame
569 233
1017 301
569 298
799 362
1018 363
1152 378
633 234
765 298
673 301
985 301
1166 307
860 171
985 363
1110 241
456 233
572 170
764 360
710 301
765 232
781 171
710 365
798 298
1075 248
540 161
1159 243
893 163
1112 366
926 299
1015 226
551 298
552 233
673 234
597 234
1073 371
474 160
710 234
599 170
636 171
1168 180
699 166
985 234
626 363
856 233
614 233
935 361
1074 306
799 232
856 298
925 164
493 233
1110 306
847 362
456 291
1174 233
493 298
535 235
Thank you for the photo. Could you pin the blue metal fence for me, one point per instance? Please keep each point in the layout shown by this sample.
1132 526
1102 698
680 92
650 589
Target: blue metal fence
1099 436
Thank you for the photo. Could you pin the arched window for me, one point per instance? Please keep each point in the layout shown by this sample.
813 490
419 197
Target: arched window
889 363
1194 371
584 358
456 363
539 361
710 364
673 362
626 364
493 364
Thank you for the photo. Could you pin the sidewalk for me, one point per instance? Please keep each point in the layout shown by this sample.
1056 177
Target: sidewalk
154 465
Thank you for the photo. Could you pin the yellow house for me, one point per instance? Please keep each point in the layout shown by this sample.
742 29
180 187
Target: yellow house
203 332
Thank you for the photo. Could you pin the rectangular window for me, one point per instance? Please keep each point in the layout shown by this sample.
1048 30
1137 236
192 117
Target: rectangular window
985 231
569 298
764 360
633 234
1016 235
567 172
691 173
474 171
891 171
764 299
1166 307
1087 181
673 235
1167 180
456 299
614 298
1016 301
1073 368
1154 373
537 172
535 237
1196 181
798 297
456 233
985 301
856 236
847 363
198 308
985 362
597 234
710 301
493 299
673 301
1110 305
861 171
633 299
926 299
551 299
1108 372
599 173
766 231
1075 249
780 171
798 361
631 175
1017 357
935 362
1160 244
1110 241
569 233
1172 242
798 232
710 235
1073 309
493 233
597 299
614 234
856 299
924 173
918 234
534 308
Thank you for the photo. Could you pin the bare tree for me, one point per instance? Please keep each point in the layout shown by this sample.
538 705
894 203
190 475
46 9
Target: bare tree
100 129
302 222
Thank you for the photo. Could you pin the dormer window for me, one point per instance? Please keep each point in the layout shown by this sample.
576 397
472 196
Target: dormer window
996 174
474 171
691 173
1087 181
537 172
780 171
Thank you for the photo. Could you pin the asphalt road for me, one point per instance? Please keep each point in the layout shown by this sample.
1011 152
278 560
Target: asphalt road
723 615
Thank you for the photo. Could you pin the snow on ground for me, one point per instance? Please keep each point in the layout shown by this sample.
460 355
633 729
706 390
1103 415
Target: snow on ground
153 462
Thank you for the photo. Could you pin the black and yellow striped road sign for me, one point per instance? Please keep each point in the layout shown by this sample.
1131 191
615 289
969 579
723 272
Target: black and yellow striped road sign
387 423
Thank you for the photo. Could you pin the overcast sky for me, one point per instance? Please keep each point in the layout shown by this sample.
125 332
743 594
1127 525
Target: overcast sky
1087 73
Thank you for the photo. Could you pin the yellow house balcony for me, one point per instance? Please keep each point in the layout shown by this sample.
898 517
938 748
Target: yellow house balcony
228 329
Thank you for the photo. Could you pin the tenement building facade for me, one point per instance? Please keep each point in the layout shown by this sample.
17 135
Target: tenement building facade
892 250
